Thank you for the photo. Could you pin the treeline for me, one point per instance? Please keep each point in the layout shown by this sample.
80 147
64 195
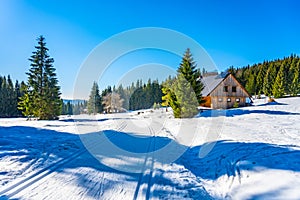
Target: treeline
10 94
145 95
9 97
74 108
182 93
40 96
138 95
273 78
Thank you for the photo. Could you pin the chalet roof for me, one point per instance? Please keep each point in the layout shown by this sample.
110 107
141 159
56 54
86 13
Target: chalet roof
211 82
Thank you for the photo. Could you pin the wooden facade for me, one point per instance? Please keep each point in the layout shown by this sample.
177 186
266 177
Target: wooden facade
227 93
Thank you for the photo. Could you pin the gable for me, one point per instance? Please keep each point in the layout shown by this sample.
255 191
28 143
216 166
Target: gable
230 81
214 86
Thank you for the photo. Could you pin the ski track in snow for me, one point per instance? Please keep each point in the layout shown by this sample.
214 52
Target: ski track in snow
255 155
19 186
144 182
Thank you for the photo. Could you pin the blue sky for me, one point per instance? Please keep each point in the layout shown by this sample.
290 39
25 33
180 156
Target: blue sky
234 33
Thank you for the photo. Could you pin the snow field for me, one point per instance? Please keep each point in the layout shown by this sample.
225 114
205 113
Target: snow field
243 153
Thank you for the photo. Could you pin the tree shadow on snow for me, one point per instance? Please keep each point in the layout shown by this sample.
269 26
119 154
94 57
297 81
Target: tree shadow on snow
229 158
238 112
44 150
124 153
7 198
83 120
275 103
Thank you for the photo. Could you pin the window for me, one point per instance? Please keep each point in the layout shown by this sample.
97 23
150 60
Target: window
225 88
220 99
228 100
237 99
233 88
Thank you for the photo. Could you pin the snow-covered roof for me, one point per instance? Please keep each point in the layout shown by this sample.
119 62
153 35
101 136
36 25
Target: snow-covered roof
211 82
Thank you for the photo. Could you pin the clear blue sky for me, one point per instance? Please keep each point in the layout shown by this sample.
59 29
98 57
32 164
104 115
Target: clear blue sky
234 33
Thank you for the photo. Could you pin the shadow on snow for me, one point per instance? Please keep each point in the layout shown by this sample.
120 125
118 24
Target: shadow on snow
40 147
238 112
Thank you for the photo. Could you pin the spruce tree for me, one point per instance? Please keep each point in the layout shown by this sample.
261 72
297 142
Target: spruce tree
69 108
138 99
42 97
286 73
260 79
4 100
11 97
186 98
168 96
2 97
169 99
18 94
192 75
269 80
184 93
26 104
250 85
278 88
157 92
295 84
94 103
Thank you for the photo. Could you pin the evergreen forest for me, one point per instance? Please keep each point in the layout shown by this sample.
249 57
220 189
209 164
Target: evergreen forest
39 96
277 78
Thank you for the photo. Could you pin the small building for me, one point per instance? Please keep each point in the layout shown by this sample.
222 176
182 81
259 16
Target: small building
222 91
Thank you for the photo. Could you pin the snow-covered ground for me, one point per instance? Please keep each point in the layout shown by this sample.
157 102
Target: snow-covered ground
243 153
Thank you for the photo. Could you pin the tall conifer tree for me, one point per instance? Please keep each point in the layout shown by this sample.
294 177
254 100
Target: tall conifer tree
260 79
278 88
42 96
186 98
184 94
250 84
94 103
192 75
295 84
269 80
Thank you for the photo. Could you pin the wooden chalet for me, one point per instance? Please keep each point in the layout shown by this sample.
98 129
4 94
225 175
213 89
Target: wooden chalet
221 91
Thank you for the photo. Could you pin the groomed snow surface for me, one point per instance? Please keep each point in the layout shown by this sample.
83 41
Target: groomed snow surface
243 153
